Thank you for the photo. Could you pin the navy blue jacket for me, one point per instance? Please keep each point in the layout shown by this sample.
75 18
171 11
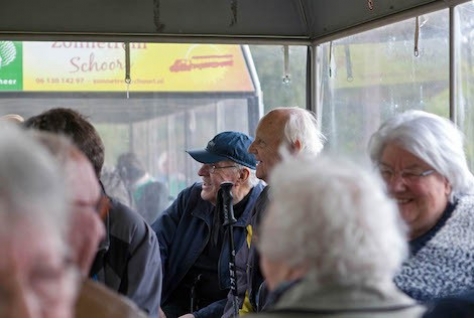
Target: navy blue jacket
183 231
458 306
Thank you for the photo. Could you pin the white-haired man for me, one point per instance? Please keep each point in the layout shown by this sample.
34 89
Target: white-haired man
336 253
292 130
37 278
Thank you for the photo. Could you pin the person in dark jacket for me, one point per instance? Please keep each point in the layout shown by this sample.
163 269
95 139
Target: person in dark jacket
296 129
457 306
194 247
128 259
149 196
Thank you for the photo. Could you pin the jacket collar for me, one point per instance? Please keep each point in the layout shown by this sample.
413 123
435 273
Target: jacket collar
204 211
306 296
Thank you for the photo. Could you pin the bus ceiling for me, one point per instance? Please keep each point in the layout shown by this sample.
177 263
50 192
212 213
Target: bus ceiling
203 21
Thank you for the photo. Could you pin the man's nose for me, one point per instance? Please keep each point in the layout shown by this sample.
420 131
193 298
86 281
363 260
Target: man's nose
203 170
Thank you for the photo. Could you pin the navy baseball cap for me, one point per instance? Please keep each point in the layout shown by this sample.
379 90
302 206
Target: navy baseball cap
226 146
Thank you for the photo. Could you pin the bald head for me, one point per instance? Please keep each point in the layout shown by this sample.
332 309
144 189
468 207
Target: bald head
294 128
13 118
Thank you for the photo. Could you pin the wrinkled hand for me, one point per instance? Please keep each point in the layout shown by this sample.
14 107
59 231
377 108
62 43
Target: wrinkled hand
188 315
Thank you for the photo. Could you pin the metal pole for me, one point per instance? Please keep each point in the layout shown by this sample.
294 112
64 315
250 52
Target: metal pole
452 66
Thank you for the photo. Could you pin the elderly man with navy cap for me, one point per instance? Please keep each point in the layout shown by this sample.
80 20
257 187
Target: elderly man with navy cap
194 254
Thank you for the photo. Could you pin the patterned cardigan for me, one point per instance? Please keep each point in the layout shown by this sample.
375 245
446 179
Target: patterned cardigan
445 265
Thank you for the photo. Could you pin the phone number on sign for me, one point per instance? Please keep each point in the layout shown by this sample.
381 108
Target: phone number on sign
59 80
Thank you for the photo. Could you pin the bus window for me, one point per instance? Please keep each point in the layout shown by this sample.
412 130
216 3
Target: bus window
279 88
367 77
465 75
178 98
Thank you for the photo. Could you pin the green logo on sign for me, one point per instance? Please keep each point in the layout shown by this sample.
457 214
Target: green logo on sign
11 66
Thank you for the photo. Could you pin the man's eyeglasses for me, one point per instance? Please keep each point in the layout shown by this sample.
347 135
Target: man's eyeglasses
103 206
213 168
407 175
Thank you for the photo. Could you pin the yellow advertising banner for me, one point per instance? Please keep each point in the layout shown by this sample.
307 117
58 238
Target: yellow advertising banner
98 66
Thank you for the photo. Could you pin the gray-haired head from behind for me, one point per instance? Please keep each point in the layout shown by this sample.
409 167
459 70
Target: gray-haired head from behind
334 218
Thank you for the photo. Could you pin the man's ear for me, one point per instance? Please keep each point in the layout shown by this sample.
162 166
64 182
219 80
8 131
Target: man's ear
296 147
448 186
244 174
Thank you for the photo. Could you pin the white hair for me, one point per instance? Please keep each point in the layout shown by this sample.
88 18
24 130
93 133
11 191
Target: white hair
252 180
335 218
31 186
433 139
302 126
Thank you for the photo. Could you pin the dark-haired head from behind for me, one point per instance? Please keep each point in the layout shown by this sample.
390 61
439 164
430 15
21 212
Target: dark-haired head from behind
130 168
74 125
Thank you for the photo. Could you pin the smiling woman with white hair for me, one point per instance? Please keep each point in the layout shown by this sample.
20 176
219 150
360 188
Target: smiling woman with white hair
421 158
332 240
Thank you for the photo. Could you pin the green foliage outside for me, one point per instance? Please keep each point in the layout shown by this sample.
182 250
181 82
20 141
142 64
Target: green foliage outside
269 62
